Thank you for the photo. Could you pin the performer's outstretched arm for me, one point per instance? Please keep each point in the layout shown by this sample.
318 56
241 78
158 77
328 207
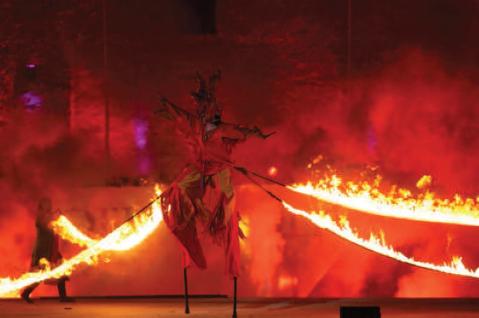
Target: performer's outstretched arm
239 133
172 111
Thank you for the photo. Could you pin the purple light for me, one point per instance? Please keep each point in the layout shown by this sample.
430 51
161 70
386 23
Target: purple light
31 100
140 127
31 65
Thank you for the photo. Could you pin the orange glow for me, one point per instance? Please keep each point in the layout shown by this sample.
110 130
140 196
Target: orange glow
272 171
286 281
244 225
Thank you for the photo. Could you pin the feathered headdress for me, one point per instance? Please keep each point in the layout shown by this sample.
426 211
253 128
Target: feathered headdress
205 97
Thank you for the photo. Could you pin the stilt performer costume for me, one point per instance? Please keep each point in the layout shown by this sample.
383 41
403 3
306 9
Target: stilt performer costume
203 191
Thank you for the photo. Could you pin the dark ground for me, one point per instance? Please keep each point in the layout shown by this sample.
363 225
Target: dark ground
221 307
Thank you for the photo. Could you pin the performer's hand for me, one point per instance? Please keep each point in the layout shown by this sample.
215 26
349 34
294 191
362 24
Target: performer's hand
268 135
259 133
241 169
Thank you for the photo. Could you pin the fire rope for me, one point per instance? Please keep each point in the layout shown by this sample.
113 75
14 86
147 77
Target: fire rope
145 221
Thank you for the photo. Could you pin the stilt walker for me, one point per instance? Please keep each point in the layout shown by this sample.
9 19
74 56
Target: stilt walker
203 193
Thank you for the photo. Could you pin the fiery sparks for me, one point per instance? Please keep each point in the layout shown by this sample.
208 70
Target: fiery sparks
123 238
378 244
398 203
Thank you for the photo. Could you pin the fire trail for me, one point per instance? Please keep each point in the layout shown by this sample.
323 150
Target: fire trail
143 224
397 203
126 236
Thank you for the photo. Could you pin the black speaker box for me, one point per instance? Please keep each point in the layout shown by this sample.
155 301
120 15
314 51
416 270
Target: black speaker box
359 312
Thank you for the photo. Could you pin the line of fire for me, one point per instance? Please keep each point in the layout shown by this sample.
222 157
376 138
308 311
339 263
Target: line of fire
260 158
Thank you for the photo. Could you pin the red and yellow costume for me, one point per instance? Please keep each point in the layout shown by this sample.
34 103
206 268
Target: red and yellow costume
204 191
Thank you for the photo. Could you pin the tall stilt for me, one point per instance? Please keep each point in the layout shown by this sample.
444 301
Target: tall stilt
185 278
234 297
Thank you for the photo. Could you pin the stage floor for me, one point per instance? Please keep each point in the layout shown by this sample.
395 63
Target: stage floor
247 308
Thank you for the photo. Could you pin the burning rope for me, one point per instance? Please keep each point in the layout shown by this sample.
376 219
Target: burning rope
141 225
398 203
324 221
375 244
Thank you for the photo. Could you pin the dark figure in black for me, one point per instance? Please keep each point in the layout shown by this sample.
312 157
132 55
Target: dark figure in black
46 250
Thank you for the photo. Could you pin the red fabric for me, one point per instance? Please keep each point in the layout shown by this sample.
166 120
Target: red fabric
232 247
179 215
185 257
210 154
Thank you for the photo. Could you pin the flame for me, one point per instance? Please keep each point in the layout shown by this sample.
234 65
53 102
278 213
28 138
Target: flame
272 171
123 238
69 232
424 181
244 225
398 203
132 233
378 244
287 281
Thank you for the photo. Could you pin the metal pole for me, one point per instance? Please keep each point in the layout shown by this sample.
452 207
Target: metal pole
235 315
185 279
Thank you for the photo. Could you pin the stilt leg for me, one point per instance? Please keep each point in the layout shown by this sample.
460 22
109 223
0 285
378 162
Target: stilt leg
234 297
185 278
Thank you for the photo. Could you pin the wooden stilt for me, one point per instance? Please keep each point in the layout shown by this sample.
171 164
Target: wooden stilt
234 297
185 278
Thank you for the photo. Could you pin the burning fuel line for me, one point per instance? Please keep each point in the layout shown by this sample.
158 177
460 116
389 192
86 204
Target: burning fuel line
377 245
69 232
143 223
324 221
398 203
374 243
